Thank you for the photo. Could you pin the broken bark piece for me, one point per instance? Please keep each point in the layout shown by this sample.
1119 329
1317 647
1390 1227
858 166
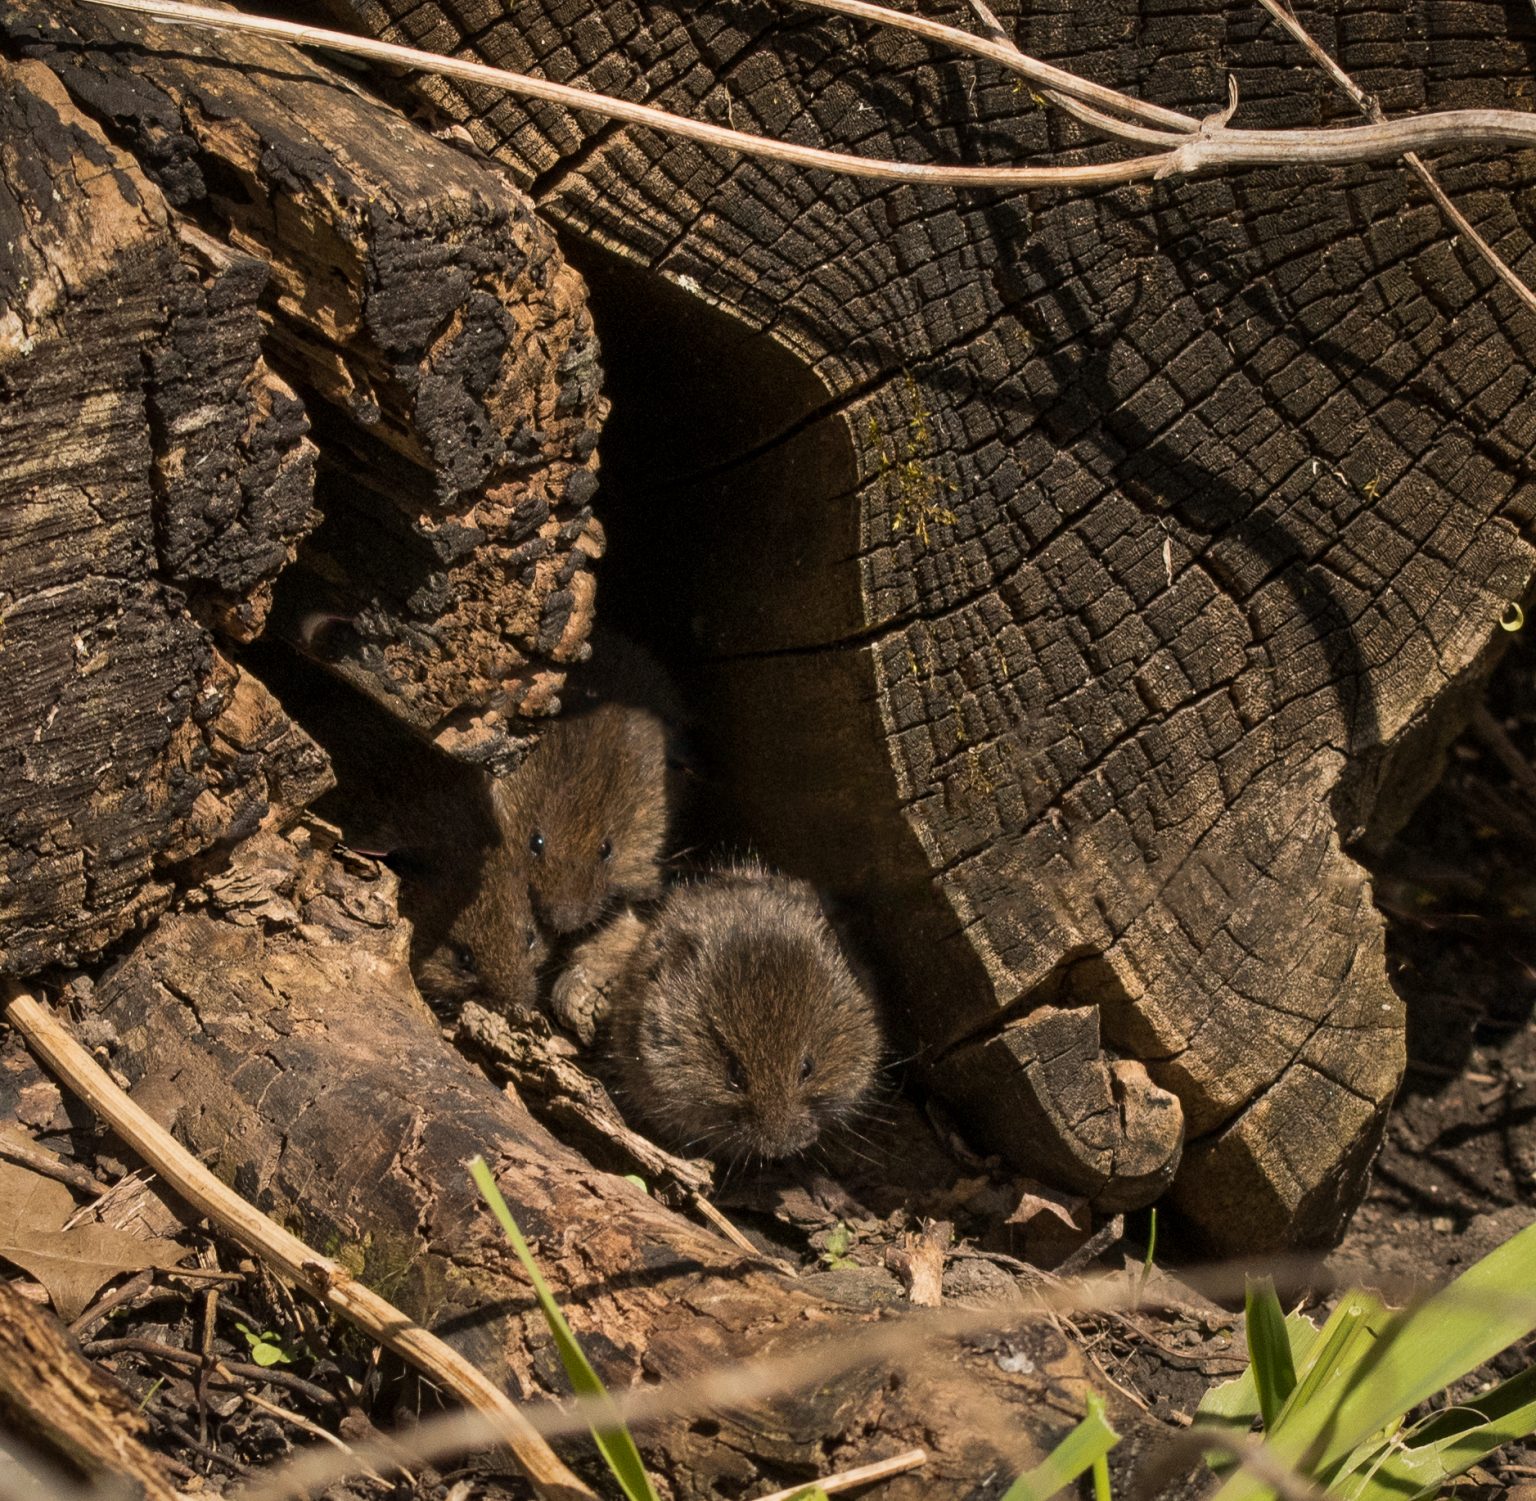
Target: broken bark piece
234 471
919 1262
1078 1120
116 756
61 1406
416 296
291 968
1108 553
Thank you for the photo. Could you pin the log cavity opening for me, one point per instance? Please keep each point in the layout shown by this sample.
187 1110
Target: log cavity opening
728 492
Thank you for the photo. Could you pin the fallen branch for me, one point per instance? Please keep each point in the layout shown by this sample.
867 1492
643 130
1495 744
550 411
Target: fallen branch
1213 147
326 1280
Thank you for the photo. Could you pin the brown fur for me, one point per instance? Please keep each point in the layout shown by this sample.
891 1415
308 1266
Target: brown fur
434 820
475 935
737 1026
589 808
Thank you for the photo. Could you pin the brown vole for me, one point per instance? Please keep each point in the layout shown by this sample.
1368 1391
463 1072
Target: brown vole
475 934
736 1026
434 821
587 811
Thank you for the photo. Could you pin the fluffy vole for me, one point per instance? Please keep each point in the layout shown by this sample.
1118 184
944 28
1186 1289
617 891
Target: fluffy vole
736 1026
587 813
434 821
475 934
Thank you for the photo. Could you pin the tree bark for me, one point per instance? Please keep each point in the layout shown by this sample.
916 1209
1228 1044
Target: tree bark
1074 579
151 466
443 344
275 1022
66 1407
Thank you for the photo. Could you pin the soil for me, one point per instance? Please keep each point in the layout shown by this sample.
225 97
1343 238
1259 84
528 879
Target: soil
865 1215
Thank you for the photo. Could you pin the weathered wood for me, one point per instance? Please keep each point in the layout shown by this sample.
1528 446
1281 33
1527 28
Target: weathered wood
275 1022
58 1403
146 454
415 294
1074 577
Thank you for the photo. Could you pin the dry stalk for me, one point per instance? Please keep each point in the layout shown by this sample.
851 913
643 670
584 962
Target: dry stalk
847 1480
324 1278
1213 147
1370 107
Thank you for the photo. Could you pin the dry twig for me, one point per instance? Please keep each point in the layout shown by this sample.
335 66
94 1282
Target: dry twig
847 1480
324 1278
1370 107
1214 146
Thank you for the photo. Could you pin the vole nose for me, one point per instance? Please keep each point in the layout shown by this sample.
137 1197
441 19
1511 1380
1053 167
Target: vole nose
783 1132
568 914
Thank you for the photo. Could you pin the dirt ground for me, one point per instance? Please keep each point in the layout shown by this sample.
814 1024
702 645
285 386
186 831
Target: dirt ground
906 1198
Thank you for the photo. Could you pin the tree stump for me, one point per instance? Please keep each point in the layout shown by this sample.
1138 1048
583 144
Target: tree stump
1074 579
207 232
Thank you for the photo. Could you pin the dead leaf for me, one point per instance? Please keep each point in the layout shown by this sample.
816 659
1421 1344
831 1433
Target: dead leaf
74 1265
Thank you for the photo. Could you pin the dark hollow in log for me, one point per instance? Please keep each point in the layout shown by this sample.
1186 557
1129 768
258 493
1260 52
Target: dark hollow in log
1112 561
274 1019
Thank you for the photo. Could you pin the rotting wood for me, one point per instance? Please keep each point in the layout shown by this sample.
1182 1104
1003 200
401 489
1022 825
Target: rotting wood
325 1280
67 1409
443 345
1117 560
136 412
288 969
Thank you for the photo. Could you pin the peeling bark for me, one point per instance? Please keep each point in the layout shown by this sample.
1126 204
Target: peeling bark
127 742
444 346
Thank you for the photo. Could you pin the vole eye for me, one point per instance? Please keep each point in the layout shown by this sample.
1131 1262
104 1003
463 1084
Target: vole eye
533 938
536 844
807 1067
605 850
463 956
735 1074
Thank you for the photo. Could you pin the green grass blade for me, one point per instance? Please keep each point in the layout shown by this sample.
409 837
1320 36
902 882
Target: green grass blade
1490 1306
1101 1491
1234 1405
613 1441
1391 1369
1329 1365
1080 1450
1269 1348
1451 1443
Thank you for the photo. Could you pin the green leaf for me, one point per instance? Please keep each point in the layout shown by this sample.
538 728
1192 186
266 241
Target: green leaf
1233 1406
1450 1443
811 1493
1083 1448
1269 1348
1367 1369
613 1439
1428 1347
264 1348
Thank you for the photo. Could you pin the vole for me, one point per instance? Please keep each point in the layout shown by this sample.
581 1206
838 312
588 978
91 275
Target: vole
736 1026
475 933
587 814
434 821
